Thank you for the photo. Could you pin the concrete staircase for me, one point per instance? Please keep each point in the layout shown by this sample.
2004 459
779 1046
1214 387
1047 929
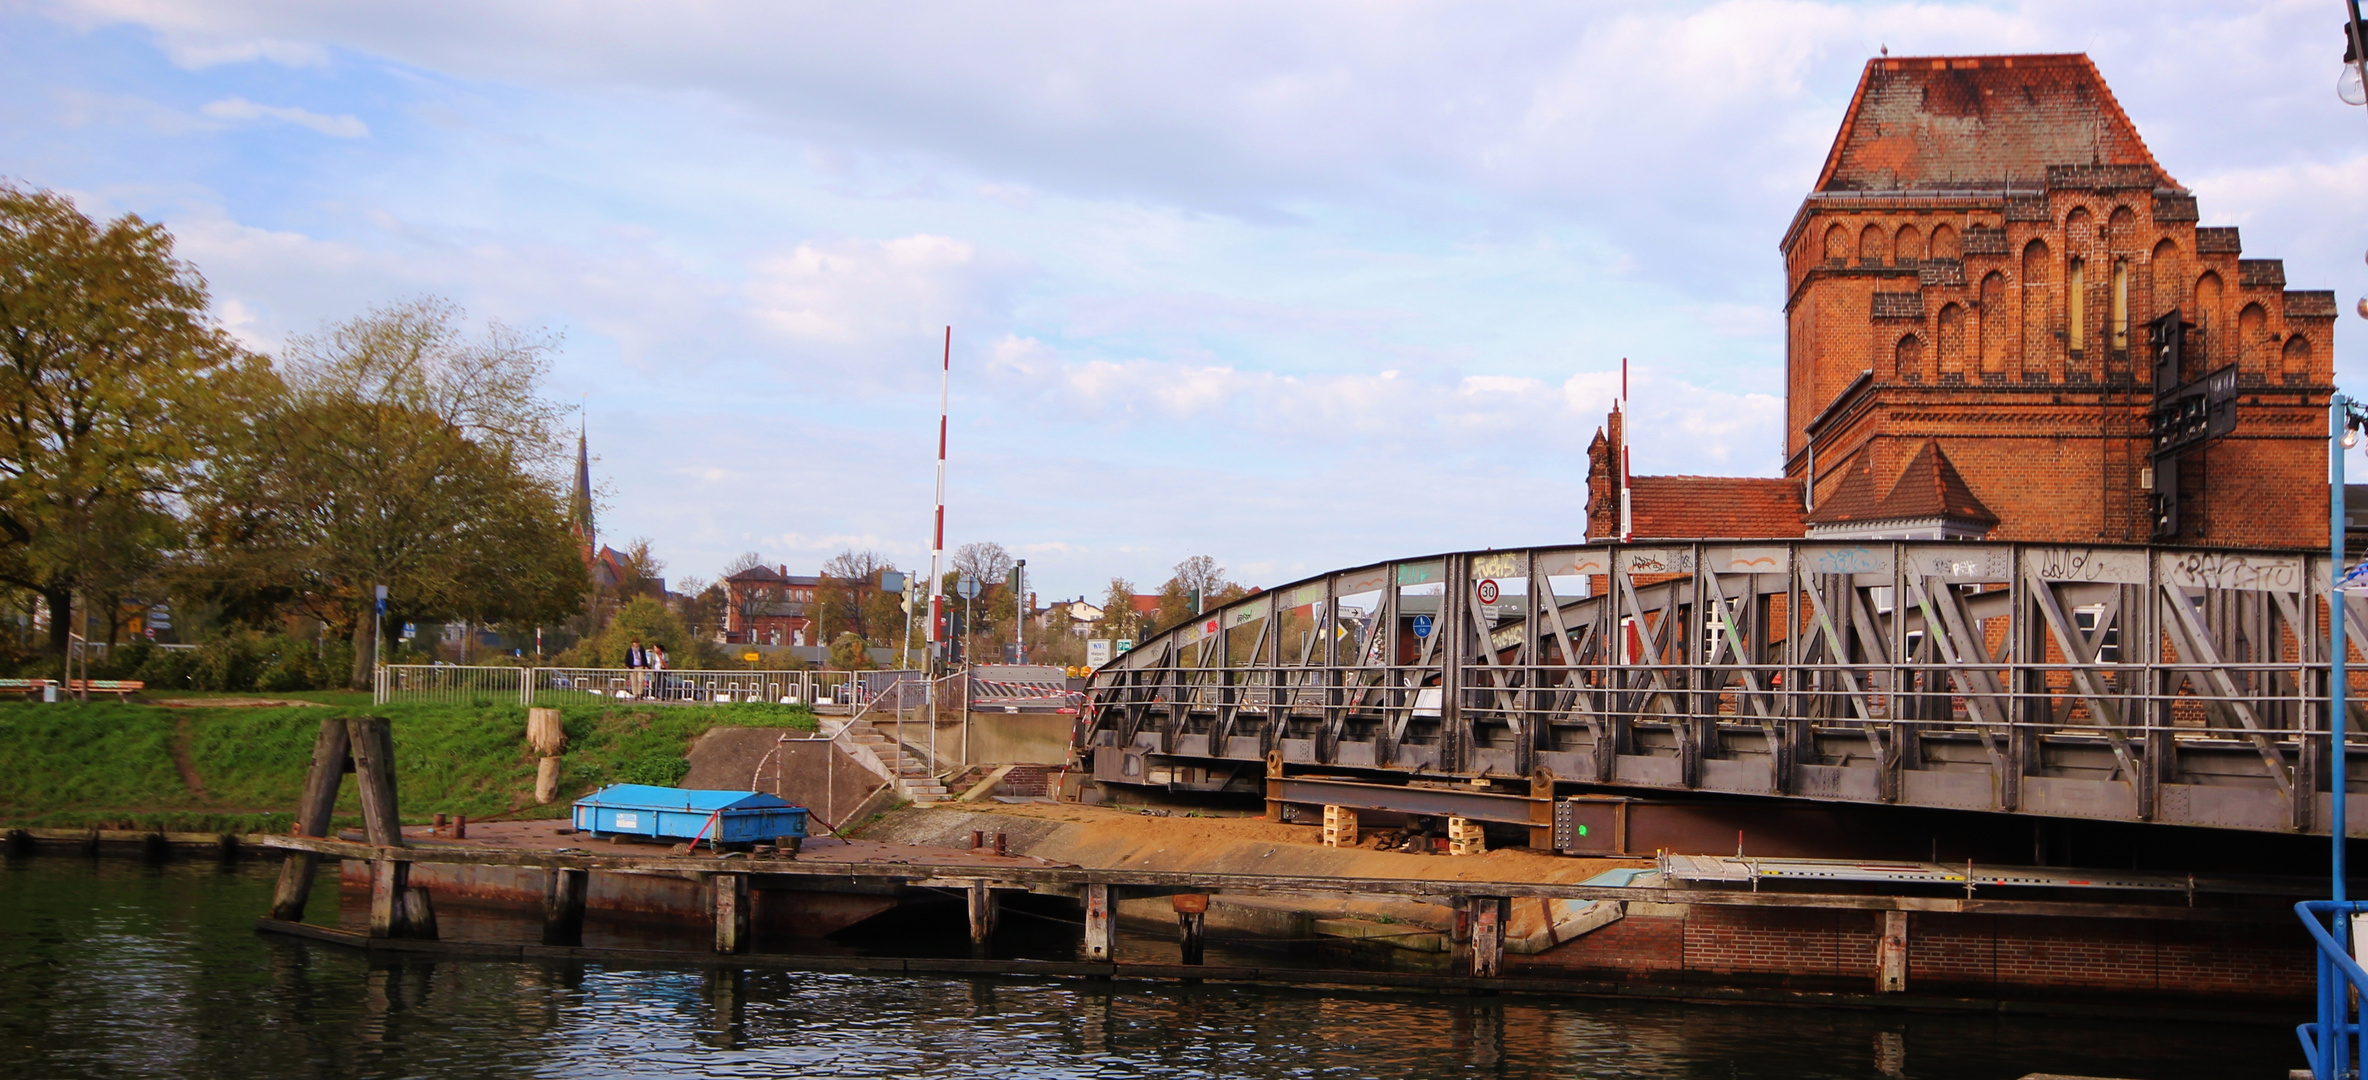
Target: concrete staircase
912 777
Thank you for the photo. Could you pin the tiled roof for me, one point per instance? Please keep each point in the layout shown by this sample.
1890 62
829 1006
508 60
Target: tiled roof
756 573
1740 507
1930 487
1938 123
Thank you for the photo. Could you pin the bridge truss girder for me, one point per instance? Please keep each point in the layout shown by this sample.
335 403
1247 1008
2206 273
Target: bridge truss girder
2112 682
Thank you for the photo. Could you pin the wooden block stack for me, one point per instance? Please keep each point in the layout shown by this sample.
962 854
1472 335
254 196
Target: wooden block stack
1464 837
1340 826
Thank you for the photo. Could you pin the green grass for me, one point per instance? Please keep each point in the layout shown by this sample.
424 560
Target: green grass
110 764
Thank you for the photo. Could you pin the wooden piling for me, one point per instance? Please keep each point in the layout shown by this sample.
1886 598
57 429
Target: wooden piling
984 912
563 906
373 740
1488 935
1101 935
415 915
1192 916
731 913
313 808
1891 955
388 879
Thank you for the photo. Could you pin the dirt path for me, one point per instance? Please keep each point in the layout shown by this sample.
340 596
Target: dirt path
182 732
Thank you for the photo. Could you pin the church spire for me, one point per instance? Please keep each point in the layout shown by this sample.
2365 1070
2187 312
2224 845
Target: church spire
580 502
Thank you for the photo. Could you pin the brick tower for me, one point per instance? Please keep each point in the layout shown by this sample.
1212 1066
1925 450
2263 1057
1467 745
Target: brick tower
1969 289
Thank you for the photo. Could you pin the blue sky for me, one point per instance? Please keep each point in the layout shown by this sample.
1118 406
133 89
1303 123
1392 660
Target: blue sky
1296 286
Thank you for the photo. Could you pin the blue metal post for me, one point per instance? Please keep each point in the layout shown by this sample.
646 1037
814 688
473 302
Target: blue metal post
2336 417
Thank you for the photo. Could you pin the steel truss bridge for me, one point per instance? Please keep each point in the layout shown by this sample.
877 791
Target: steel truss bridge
2182 686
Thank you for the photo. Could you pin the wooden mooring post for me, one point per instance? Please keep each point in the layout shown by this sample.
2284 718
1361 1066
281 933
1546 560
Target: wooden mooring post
365 746
985 909
1101 924
1192 917
731 913
1488 935
563 906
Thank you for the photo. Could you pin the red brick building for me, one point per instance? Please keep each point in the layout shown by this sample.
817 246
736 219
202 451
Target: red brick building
768 606
1968 294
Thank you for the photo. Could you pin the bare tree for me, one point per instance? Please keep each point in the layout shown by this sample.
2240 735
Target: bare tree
746 560
1201 574
850 594
984 562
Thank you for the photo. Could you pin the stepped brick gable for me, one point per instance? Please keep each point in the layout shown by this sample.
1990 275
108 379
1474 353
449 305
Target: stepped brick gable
1968 294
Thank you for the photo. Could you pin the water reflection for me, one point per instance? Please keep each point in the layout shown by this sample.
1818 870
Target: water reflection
119 968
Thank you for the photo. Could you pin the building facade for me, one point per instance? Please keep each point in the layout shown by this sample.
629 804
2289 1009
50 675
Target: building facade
764 605
1972 289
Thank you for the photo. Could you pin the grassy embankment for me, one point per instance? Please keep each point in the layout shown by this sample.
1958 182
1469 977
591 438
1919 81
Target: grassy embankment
114 765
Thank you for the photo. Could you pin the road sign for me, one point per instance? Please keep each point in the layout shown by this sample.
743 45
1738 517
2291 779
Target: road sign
1126 645
891 581
1488 590
1422 626
1097 652
967 588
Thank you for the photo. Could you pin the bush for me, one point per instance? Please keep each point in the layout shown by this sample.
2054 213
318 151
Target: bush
656 770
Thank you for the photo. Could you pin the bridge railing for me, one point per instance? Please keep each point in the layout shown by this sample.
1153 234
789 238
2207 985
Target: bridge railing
1893 671
457 684
2332 1044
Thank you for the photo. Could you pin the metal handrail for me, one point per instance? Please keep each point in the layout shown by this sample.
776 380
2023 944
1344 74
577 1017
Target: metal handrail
2332 1044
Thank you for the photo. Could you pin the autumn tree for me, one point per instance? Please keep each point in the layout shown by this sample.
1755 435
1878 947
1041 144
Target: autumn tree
395 449
108 360
849 598
1119 620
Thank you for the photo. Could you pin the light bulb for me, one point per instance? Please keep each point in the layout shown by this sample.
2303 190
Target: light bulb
2351 437
2364 307
2347 86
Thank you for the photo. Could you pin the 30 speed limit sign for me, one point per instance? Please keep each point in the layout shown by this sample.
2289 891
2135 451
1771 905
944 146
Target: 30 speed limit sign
1488 590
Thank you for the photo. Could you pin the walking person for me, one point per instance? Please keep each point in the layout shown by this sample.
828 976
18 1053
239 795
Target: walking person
636 660
658 668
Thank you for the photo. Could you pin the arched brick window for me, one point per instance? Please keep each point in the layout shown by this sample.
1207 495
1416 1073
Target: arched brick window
2163 280
2118 317
2252 339
1908 358
1993 318
2297 355
2121 229
1837 244
1952 341
1870 246
1944 241
2209 295
2035 311
2076 306
1908 247
2079 228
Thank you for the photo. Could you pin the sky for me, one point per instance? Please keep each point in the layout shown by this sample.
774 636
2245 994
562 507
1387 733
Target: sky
1297 286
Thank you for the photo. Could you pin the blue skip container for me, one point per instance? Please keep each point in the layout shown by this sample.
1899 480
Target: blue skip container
664 813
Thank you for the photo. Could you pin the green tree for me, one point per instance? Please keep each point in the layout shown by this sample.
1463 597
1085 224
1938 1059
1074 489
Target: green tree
107 360
1118 613
849 652
396 450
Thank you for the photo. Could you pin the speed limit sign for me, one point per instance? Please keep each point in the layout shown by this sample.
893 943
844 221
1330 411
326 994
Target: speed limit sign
1488 590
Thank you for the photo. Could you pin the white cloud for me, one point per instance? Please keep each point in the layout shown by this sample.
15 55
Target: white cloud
336 127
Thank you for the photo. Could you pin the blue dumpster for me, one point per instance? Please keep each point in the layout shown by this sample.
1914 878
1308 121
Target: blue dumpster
663 813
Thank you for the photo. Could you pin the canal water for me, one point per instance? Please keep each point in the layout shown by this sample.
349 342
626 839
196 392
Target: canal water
113 967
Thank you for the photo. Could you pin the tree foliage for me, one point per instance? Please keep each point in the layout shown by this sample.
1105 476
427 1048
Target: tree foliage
108 365
396 450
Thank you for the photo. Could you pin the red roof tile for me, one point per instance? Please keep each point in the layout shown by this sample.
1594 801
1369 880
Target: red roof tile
1942 122
1736 507
1930 487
